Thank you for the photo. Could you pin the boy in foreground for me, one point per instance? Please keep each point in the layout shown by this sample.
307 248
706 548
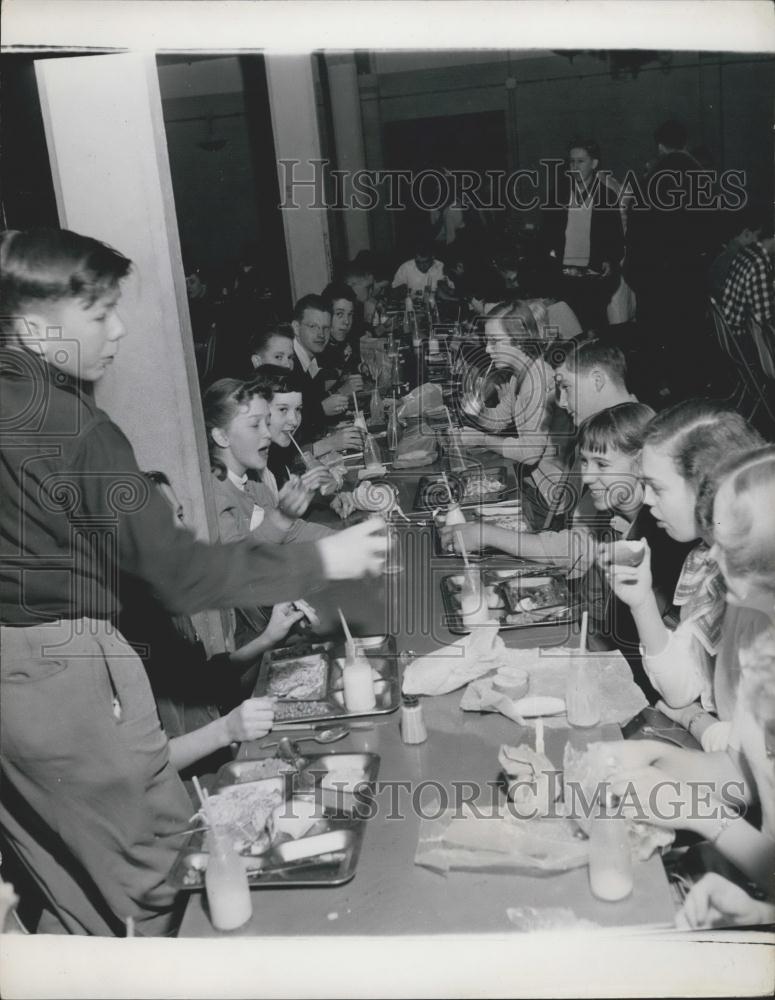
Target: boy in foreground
89 800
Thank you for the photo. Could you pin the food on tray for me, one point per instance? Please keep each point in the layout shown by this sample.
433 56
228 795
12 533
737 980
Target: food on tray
480 485
303 679
296 817
287 710
494 598
244 812
268 767
345 777
526 594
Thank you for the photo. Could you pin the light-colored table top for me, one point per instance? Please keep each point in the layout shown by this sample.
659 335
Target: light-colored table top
389 893
392 895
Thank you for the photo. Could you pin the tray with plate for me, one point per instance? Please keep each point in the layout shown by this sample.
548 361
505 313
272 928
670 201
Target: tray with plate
307 679
470 488
520 597
302 828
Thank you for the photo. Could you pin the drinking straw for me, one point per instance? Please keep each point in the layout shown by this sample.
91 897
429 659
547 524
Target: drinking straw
540 748
449 489
202 795
130 927
449 420
296 445
348 634
355 403
584 629
463 549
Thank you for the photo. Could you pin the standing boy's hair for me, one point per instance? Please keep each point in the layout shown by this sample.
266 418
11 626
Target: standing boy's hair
46 265
260 341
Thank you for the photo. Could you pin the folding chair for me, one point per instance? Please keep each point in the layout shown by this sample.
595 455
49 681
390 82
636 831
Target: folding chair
746 399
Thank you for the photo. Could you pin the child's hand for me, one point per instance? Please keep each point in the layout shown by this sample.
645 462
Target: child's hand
284 616
472 534
251 720
631 584
343 503
346 439
714 901
318 479
295 497
334 405
353 384
355 552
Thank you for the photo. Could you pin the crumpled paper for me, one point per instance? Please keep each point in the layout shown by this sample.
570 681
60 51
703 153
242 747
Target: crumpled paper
584 771
424 399
454 665
464 840
620 696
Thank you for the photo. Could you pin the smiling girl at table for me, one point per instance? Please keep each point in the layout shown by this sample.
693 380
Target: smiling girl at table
237 418
609 445
688 664
744 547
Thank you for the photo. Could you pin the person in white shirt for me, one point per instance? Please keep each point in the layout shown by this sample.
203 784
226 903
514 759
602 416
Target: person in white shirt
419 272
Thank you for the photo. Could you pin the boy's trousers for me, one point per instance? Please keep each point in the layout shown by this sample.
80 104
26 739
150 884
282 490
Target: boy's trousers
89 799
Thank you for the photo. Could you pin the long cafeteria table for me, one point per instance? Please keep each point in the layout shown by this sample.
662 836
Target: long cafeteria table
389 894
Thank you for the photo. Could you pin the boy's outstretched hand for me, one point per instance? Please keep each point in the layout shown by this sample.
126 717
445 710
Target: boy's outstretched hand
355 552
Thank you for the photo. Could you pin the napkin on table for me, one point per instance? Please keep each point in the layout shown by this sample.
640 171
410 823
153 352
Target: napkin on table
452 666
620 697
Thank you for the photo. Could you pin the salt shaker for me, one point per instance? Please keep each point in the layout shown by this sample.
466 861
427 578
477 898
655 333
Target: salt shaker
412 726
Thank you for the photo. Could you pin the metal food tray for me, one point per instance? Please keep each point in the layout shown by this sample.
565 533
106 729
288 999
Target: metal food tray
493 577
380 651
432 490
289 863
486 553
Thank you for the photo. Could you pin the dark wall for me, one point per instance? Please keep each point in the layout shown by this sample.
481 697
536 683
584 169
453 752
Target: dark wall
27 192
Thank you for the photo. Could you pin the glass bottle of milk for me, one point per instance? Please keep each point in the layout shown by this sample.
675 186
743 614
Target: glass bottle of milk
226 884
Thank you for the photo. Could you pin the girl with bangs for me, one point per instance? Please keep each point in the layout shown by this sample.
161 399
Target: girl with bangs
609 446
734 504
695 671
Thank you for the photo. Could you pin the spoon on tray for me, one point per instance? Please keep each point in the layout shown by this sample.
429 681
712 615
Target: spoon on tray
330 734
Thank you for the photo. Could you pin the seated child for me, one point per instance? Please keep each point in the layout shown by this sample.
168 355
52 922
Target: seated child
609 446
341 357
691 663
273 346
419 272
198 699
247 498
740 502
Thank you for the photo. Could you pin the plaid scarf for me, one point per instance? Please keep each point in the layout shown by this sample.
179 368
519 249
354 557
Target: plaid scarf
701 589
